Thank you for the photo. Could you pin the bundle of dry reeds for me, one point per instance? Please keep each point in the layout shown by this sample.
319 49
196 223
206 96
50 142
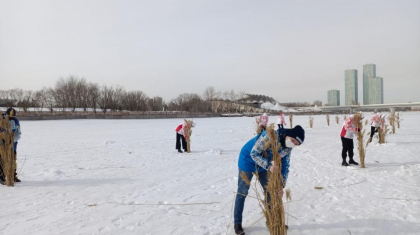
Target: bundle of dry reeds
382 134
188 132
360 135
337 119
398 119
391 119
291 120
311 121
7 156
328 119
274 210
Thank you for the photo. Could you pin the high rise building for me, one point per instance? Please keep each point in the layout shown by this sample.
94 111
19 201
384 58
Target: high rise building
369 72
376 91
350 87
334 98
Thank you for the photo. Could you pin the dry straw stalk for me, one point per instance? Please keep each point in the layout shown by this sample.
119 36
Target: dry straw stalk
188 132
291 120
311 121
360 135
337 119
7 159
328 119
391 119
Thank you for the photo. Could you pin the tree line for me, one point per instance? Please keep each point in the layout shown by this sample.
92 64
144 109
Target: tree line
73 93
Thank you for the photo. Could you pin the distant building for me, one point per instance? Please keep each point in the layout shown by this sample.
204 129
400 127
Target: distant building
376 91
256 100
369 72
333 98
350 87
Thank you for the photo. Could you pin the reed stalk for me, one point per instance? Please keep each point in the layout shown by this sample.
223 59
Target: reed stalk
7 156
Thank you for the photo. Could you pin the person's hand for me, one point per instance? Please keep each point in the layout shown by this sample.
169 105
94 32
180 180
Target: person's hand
274 169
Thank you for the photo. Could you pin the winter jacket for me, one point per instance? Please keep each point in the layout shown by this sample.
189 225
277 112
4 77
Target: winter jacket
180 129
375 121
14 123
251 158
280 120
349 129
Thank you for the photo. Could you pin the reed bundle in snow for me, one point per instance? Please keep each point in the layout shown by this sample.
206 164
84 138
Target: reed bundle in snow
382 134
291 120
7 159
311 121
398 119
391 119
259 126
328 119
360 135
337 119
188 132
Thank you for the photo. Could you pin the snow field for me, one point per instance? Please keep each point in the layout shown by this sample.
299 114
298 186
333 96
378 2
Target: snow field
121 177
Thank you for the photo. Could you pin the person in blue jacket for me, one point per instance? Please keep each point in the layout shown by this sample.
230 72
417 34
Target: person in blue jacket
14 123
251 160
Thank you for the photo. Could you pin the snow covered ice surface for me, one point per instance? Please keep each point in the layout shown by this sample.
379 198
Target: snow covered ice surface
122 177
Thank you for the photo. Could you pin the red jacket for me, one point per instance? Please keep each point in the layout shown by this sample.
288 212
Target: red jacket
349 128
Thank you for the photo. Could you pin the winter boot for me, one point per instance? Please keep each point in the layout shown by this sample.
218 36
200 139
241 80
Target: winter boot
353 162
344 163
238 229
16 178
179 151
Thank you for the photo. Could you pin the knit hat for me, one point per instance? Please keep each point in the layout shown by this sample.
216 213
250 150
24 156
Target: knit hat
11 112
264 119
298 133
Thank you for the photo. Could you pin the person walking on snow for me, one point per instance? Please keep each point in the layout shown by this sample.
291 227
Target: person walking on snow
14 123
280 121
180 137
377 122
348 131
252 160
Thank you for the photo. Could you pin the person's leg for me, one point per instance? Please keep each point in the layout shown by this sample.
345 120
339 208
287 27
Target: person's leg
241 194
2 178
263 178
15 162
351 154
344 151
184 143
178 142
372 133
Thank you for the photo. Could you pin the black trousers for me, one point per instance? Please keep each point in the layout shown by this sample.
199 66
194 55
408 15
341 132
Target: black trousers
280 126
180 138
348 147
373 130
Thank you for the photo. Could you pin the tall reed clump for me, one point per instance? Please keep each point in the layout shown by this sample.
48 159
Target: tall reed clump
291 120
311 121
382 134
328 119
391 119
188 132
337 119
360 135
398 119
7 155
274 210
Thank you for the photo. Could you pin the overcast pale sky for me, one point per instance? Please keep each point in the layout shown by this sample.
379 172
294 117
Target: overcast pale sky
290 50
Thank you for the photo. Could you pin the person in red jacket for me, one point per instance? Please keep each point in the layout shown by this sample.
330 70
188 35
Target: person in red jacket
180 137
348 131
280 121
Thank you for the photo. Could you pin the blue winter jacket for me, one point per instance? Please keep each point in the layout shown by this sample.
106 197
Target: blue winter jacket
251 158
14 123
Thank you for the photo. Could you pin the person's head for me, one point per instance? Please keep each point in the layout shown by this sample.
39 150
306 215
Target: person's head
264 120
281 111
11 112
294 137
